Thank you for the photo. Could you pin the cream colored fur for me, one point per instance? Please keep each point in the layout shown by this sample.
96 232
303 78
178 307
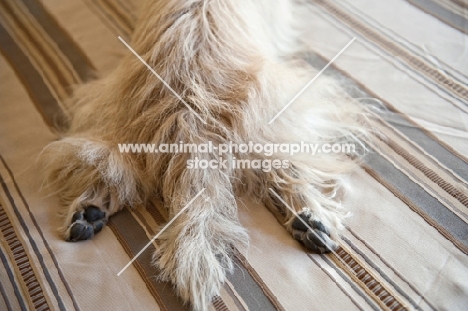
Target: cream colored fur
233 62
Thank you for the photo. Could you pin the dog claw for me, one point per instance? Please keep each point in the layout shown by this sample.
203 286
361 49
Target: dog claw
85 224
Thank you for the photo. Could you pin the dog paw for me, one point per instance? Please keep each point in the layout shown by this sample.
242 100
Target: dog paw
312 233
85 224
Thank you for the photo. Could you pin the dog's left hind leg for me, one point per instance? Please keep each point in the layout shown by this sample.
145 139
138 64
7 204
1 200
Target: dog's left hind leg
93 181
87 215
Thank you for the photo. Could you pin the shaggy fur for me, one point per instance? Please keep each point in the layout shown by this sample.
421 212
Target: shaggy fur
233 62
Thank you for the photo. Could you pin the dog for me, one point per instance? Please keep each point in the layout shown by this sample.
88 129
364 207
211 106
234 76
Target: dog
226 68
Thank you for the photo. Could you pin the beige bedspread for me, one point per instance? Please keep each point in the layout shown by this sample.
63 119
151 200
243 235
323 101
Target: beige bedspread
406 245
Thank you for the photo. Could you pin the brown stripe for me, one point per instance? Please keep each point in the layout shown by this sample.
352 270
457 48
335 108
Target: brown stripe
28 276
39 47
429 173
36 29
119 14
460 3
155 213
133 238
377 290
444 201
444 19
108 18
382 275
219 304
11 278
418 210
410 46
70 49
390 266
415 62
103 16
129 7
59 272
40 94
240 305
137 266
393 109
138 216
256 277
311 257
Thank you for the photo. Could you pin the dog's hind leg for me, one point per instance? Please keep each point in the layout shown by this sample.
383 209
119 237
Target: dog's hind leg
311 213
93 182
89 213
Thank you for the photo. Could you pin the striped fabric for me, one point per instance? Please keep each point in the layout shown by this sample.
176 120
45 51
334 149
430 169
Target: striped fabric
406 246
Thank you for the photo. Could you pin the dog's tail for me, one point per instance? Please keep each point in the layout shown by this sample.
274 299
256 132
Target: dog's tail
195 250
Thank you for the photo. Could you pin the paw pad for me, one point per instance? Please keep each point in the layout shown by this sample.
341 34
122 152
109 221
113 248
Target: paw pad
85 224
312 233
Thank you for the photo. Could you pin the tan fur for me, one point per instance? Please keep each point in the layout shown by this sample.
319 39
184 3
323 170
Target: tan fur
232 62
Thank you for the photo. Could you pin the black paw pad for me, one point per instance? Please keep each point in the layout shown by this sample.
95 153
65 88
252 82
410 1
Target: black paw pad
92 213
318 225
312 233
318 241
85 224
77 216
301 222
98 225
80 231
